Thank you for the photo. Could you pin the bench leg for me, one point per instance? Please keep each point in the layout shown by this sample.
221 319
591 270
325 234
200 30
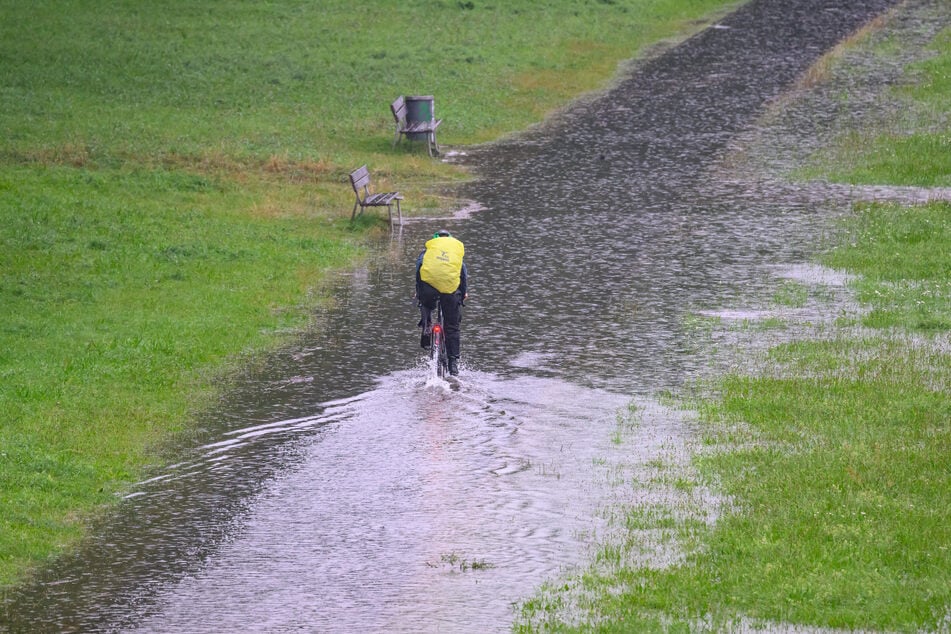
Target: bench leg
433 146
353 214
396 139
399 213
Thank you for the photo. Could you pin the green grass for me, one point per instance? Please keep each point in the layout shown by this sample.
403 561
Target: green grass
121 293
173 192
241 82
913 147
917 160
902 254
836 462
791 295
844 520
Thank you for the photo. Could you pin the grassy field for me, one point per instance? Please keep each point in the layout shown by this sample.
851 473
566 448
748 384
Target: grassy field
244 85
173 192
837 460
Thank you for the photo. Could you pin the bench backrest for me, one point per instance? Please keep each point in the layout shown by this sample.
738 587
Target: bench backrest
398 108
360 179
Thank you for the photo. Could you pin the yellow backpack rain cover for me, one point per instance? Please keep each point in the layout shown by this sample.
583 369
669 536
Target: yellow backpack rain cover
442 263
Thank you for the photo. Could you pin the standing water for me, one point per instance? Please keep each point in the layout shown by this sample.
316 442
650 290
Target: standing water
342 488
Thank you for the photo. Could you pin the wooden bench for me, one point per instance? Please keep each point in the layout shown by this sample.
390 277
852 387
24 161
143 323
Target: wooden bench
427 128
360 180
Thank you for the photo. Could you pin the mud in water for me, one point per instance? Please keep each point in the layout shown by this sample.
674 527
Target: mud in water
341 488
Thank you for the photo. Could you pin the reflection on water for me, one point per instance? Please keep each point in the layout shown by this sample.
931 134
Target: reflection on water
336 491
418 508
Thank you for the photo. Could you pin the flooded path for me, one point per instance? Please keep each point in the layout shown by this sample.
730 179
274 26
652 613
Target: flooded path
340 489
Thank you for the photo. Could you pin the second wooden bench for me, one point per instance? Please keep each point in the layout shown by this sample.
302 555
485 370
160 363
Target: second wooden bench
360 181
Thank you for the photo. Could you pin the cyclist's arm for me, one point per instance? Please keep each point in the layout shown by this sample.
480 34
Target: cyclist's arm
464 281
419 265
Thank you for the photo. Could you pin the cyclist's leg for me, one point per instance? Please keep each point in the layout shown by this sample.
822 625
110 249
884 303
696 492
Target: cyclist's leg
452 319
427 297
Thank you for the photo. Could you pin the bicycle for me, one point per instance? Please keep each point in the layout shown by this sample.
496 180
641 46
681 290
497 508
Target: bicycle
437 343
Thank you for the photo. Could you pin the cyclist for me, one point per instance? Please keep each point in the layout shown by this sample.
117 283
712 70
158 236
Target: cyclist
441 276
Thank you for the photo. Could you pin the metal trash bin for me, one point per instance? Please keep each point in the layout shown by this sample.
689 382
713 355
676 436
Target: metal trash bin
420 109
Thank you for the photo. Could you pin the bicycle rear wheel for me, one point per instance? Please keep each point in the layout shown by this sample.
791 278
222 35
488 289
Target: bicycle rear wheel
437 347
438 351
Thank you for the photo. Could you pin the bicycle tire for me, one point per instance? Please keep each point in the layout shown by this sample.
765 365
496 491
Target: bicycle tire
437 346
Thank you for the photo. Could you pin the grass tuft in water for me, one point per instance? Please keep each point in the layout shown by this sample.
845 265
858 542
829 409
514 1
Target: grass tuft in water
456 562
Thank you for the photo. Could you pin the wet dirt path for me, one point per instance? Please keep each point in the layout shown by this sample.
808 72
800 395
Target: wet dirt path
340 489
